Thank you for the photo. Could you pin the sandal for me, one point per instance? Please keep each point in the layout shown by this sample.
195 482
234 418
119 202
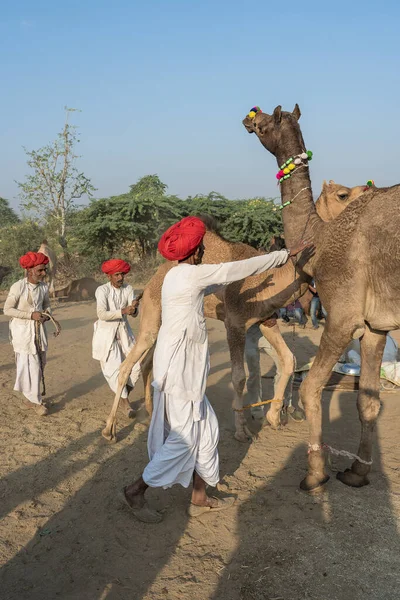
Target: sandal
223 504
142 513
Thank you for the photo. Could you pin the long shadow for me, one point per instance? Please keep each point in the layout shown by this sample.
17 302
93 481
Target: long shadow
93 543
338 544
76 391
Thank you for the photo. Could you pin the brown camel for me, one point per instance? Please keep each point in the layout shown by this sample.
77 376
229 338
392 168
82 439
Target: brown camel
52 266
357 270
239 305
334 198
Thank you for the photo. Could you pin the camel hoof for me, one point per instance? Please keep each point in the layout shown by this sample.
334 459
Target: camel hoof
348 477
242 437
311 483
110 437
297 415
274 423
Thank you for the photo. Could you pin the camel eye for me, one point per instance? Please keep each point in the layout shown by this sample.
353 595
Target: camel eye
343 196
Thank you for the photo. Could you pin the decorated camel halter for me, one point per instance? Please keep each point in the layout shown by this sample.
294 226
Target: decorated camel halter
292 163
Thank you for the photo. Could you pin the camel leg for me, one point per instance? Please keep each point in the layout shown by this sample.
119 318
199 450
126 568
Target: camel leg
368 404
284 361
147 369
236 341
137 354
333 343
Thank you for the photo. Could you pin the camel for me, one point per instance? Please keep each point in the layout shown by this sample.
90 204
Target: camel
335 197
239 305
52 266
357 270
78 289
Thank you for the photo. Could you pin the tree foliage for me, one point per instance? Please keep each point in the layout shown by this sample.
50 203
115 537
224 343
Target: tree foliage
7 215
139 216
55 183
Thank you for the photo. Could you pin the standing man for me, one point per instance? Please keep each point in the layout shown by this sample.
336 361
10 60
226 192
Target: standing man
113 337
26 303
184 433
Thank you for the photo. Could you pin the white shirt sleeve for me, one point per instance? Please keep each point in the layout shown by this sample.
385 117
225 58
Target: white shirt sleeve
102 306
224 273
11 303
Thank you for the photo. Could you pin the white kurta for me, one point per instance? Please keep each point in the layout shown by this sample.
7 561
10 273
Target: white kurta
183 433
23 299
113 337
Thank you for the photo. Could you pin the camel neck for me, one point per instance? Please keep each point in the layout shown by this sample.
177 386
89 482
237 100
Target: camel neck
300 219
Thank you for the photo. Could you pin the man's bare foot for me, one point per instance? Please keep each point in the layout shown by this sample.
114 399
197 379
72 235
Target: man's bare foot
134 498
134 493
204 501
218 504
40 409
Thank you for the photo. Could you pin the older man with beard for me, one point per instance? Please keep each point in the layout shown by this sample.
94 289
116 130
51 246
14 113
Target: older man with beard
26 303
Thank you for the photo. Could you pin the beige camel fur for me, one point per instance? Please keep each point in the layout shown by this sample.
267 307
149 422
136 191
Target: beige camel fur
52 266
357 270
334 198
239 305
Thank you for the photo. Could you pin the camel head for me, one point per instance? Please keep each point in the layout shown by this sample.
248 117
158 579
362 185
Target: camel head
279 133
335 197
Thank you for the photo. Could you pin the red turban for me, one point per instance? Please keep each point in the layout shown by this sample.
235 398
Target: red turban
33 259
115 265
182 239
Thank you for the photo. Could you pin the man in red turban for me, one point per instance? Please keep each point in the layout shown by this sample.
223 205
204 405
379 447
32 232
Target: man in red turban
184 433
113 337
182 239
26 304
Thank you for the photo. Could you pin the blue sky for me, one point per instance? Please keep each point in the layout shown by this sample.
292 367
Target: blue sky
164 85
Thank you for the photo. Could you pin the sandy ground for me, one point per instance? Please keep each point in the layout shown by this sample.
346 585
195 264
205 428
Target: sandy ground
65 533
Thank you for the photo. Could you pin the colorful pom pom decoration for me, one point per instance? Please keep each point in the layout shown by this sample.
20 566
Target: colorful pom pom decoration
253 111
290 165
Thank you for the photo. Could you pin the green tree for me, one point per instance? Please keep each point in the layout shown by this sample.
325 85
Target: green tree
139 216
7 215
55 183
15 240
253 222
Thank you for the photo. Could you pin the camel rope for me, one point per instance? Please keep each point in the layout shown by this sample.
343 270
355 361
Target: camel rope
317 447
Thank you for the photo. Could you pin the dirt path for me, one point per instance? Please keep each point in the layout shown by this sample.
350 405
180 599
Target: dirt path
65 534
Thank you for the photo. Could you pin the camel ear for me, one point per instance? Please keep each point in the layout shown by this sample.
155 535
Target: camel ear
296 112
324 184
278 114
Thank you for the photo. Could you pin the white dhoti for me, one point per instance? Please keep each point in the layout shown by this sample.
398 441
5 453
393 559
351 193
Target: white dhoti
178 445
111 367
29 375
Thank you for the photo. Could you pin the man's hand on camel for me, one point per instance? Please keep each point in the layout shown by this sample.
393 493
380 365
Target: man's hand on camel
300 247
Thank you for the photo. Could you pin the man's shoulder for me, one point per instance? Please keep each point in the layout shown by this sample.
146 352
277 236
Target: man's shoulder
103 288
17 285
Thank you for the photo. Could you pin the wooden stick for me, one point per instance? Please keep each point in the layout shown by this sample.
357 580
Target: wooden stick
257 404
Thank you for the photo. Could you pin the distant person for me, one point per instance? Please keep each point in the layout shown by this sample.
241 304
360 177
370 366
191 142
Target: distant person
315 306
26 302
113 337
294 310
